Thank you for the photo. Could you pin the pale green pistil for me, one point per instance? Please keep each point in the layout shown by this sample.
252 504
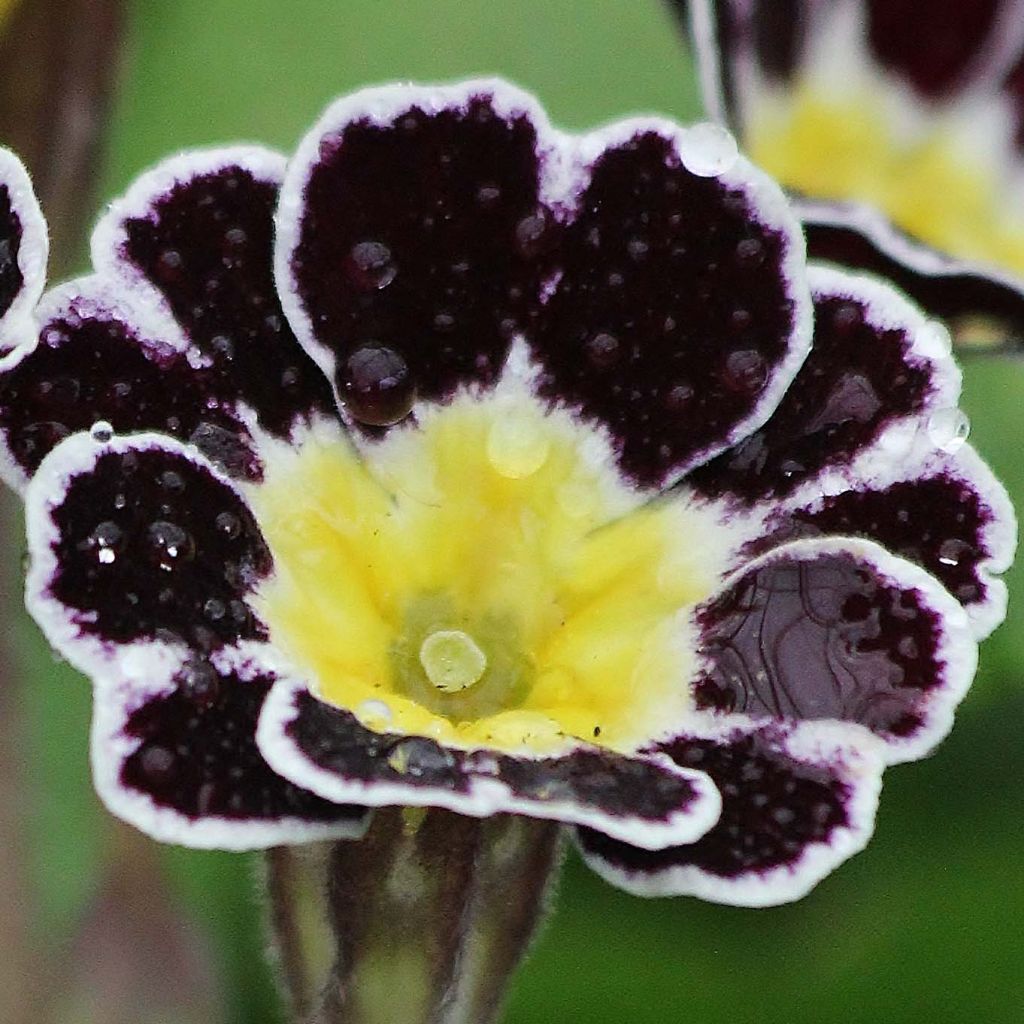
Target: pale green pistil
452 660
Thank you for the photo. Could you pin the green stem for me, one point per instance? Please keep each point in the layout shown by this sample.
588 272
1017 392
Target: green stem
429 915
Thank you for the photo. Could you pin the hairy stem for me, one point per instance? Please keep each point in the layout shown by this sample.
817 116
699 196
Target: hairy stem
427 917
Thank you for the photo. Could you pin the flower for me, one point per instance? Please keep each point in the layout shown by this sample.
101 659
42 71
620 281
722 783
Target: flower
460 462
900 125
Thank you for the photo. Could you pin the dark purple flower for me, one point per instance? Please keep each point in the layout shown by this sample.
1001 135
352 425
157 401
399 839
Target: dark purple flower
461 462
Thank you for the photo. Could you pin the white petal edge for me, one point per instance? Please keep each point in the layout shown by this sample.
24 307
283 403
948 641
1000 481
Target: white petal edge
851 751
956 651
485 796
17 326
104 661
110 747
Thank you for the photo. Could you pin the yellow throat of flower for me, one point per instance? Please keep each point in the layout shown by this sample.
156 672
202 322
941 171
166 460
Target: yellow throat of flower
848 146
482 579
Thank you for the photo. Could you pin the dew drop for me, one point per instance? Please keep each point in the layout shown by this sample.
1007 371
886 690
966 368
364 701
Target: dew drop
101 431
107 540
948 429
228 525
416 756
376 386
745 371
709 150
517 445
678 398
934 340
488 195
170 546
214 609
374 714
200 683
370 266
172 481
222 346
953 551
531 234
158 764
750 253
603 350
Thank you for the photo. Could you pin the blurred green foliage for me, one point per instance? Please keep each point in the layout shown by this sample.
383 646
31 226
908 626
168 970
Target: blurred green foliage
922 926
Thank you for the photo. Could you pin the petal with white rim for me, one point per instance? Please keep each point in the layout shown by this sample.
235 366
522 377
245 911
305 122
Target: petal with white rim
879 376
841 629
179 761
194 238
24 247
138 545
644 800
796 802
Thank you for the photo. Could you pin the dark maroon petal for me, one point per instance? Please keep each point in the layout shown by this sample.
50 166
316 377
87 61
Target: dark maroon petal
795 804
139 539
23 253
933 44
679 314
949 515
837 630
876 368
93 363
181 763
199 230
983 305
412 223
325 749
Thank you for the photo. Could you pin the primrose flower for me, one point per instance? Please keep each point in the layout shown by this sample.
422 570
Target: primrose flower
900 124
460 462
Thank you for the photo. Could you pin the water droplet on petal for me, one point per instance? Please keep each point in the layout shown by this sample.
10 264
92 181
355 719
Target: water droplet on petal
517 445
169 545
531 234
374 714
934 340
416 756
101 431
158 764
200 683
709 150
603 350
376 386
107 540
228 525
745 371
370 266
948 429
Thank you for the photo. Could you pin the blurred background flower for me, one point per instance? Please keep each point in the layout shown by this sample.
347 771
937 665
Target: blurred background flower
923 925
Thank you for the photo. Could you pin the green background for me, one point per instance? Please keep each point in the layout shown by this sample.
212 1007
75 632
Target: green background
923 926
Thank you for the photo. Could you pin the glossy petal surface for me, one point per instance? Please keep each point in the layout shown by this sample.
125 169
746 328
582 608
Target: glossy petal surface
795 803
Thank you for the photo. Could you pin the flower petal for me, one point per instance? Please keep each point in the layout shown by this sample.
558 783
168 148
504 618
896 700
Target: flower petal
645 800
946 512
938 46
983 305
680 311
194 236
413 219
877 372
838 629
102 357
796 803
180 762
24 247
137 545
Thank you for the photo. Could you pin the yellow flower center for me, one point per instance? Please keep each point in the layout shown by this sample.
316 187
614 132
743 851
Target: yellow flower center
482 578
932 180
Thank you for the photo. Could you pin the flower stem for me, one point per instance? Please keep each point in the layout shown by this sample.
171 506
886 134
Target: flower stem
428 916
